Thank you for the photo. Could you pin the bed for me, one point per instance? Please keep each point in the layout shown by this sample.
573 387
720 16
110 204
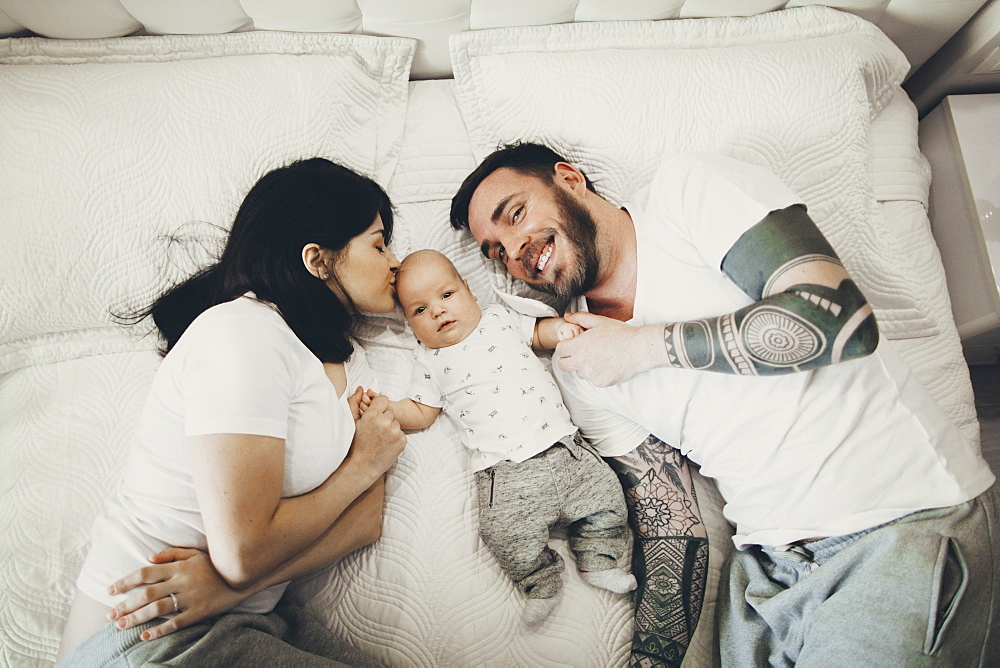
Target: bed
122 160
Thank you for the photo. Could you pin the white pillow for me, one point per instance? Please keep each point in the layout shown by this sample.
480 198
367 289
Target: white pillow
107 147
792 90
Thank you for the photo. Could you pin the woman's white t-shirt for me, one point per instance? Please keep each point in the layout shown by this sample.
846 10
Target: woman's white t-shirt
814 453
237 369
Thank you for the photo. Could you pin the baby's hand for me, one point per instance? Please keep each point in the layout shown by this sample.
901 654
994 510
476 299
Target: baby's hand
568 330
366 400
360 401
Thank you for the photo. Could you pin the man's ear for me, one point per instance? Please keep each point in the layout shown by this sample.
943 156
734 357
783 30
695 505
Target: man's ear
569 176
316 260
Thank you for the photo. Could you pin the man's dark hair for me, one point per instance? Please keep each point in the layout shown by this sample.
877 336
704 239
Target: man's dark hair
523 157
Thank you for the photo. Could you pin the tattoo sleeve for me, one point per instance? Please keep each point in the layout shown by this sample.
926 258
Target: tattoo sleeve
670 556
808 313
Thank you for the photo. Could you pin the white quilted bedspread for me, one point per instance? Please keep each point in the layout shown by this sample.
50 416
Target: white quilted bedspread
428 594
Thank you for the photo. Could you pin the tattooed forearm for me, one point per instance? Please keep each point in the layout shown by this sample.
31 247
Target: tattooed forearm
659 490
806 327
808 313
651 453
670 557
671 573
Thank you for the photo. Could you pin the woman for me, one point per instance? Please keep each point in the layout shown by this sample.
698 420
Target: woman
247 446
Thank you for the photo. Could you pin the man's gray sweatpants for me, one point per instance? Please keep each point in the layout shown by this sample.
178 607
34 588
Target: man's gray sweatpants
566 484
923 590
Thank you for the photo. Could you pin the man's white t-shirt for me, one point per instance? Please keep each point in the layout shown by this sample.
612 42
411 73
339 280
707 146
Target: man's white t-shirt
505 402
237 369
801 455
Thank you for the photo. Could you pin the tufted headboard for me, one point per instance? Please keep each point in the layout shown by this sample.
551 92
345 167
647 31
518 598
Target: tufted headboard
918 27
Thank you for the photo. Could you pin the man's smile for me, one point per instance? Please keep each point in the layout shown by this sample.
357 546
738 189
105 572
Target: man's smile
538 257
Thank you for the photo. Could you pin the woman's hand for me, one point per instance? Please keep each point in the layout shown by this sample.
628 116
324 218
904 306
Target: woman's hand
186 573
378 438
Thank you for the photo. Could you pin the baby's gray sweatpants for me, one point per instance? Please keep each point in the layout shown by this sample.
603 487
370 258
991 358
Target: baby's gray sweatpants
566 484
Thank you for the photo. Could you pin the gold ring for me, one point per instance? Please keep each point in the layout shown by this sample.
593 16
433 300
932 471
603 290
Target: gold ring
177 607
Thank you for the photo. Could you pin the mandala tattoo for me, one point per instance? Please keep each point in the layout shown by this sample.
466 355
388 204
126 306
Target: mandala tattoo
659 509
779 337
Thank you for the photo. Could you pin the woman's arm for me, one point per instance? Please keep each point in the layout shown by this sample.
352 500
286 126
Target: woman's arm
808 313
202 593
251 530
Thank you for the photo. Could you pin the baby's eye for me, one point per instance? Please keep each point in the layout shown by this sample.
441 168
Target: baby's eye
419 310
446 295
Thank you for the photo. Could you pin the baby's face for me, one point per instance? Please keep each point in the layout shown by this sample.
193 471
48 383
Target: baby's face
438 304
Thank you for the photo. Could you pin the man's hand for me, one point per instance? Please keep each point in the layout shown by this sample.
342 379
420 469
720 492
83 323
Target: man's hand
609 351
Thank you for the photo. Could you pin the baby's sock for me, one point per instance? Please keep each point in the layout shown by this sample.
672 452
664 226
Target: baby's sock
537 610
613 579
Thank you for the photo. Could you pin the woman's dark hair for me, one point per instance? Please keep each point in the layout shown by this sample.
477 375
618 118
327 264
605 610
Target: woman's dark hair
308 201
523 157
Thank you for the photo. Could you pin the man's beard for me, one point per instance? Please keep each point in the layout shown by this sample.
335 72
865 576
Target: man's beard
579 237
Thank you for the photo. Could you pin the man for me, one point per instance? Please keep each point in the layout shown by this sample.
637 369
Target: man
720 321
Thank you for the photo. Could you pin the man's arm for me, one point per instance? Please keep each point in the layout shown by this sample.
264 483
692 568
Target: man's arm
670 555
808 313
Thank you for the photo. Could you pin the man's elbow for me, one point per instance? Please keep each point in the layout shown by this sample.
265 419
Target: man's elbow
863 340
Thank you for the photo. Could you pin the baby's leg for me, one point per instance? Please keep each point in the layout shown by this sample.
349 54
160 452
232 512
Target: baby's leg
595 507
513 522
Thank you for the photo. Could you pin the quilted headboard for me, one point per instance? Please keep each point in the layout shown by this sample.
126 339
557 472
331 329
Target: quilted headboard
918 27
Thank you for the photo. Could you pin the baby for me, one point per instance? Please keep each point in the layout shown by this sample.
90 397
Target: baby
532 468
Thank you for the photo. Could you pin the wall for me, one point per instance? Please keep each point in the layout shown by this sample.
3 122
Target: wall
968 63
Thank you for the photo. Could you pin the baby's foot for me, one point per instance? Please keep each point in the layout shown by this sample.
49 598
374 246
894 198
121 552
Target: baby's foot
613 579
537 610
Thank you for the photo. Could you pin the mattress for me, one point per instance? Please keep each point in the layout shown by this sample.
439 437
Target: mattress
428 593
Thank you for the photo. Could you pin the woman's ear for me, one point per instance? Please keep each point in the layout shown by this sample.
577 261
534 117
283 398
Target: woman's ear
316 260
